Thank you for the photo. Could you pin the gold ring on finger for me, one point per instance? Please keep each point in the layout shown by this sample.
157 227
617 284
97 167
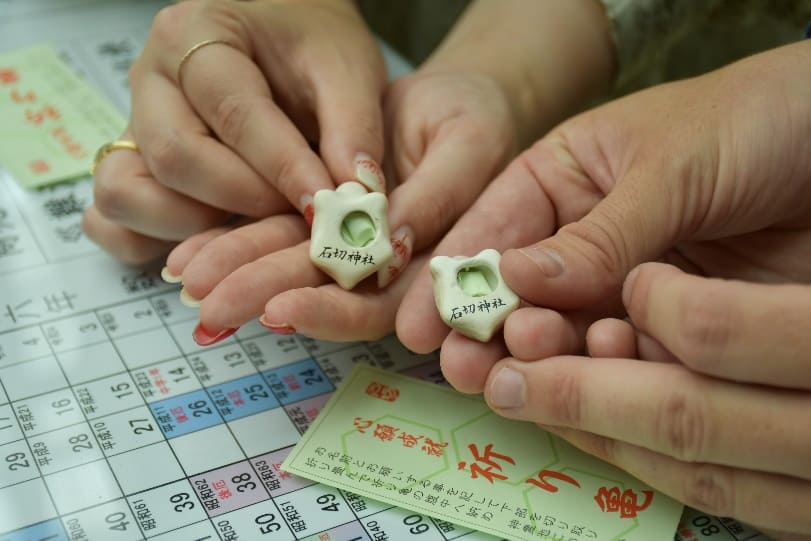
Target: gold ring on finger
106 148
193 49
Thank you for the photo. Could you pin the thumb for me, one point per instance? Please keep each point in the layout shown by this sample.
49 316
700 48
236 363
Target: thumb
587 260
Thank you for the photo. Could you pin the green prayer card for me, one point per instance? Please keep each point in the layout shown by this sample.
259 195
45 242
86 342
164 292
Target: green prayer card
432 450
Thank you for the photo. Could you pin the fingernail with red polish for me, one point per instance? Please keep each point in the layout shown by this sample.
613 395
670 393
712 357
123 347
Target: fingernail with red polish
402 244
368 173
307 208
278 328
205 337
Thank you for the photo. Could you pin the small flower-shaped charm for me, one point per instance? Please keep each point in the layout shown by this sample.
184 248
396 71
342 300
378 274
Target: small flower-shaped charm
470 295
350 234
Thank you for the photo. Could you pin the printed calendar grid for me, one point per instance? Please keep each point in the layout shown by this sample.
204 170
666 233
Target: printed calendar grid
83 412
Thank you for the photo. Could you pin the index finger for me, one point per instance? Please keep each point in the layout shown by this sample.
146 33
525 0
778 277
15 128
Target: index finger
725 328
660 406
212 65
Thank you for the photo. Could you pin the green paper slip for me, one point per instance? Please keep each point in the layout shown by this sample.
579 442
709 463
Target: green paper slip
432 450
51 121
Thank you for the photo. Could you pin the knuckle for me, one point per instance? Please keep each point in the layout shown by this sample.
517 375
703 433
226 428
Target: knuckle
682 426
367 127
266 201
111 198
566 402
225 15
604 245
167 21
231 115
438 213
604 448
164 155
710 488
90 224
290 172
134 72
498 142
706 330
133 253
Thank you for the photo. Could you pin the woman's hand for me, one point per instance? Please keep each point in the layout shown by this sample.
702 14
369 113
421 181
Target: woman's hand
229 129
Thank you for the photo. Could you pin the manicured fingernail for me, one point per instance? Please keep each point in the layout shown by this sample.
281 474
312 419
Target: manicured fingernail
168 277
368 173
628 287
402 244
307 208
508 389
205 337
550 261
188 300
278 328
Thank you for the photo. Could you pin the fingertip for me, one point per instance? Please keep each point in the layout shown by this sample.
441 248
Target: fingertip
523 275
535 333
637 285
328 312
628 287
611 337
466 363
183 253
505 389
417 322
369 173
420 334
169 276
289 309
227 305
212 263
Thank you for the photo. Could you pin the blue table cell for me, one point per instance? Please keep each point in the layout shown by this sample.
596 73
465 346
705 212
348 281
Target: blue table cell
297 381
185 413
243 397
51 530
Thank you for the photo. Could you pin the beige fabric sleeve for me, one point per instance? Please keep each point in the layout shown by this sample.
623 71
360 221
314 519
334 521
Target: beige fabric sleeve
662 40
644 30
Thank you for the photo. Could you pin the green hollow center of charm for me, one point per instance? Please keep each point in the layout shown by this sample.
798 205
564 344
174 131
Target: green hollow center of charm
358 229
477 281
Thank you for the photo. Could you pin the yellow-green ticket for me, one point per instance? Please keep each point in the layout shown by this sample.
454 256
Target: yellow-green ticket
51 122
432 450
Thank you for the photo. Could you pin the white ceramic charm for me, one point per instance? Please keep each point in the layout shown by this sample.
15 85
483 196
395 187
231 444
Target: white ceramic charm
350 235
470 295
